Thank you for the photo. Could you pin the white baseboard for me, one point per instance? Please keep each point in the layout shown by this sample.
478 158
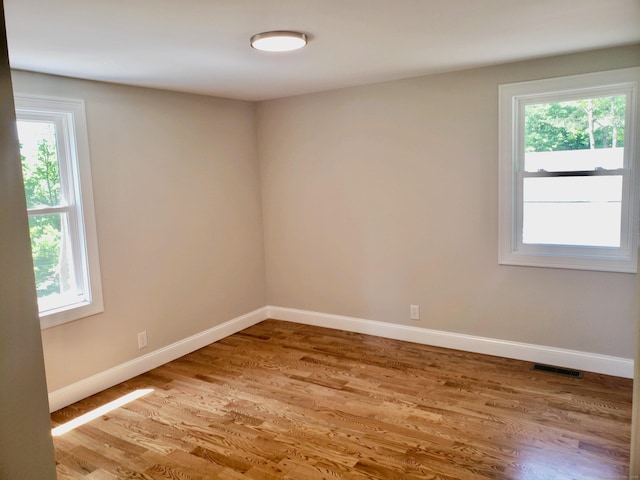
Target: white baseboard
103 380
589 362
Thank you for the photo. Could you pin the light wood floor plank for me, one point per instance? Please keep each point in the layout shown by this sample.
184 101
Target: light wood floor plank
287 401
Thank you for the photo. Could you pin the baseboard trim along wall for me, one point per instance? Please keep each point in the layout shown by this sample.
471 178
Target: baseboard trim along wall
590 362
125 371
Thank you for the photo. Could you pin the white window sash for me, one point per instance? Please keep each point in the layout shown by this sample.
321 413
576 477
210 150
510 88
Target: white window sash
76 200
513 99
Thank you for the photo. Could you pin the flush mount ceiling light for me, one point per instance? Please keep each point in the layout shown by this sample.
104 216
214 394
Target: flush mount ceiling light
278 41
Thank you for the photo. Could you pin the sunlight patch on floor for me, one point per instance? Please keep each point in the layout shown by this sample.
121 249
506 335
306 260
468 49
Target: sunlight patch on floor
98 412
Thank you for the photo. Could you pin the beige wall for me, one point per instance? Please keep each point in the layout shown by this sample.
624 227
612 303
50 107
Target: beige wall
26 450
634 469
177 195
373 198
379 196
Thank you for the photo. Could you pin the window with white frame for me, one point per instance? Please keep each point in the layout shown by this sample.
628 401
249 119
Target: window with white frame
568 172
56 171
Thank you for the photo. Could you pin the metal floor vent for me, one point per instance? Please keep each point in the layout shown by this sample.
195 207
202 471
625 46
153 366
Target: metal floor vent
560 371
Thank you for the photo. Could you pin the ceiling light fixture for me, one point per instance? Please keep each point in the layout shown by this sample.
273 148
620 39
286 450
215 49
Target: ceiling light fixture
278 41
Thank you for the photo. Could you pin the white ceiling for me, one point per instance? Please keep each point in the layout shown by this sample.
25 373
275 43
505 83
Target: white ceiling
202 46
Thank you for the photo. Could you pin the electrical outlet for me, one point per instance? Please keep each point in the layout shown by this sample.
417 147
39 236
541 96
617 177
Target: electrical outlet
142 339
414 311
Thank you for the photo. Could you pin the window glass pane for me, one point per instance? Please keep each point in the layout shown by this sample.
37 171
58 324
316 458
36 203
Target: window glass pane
40 168
52 261
582 211
584 134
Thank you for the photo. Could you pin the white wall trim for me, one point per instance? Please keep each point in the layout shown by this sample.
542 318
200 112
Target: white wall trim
590 362
96 383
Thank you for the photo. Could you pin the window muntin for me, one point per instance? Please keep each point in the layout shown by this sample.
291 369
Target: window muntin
57 180
567 172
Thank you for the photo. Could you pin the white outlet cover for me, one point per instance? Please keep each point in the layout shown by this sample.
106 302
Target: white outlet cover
142 339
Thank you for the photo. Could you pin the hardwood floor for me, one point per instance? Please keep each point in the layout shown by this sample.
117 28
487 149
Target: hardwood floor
287 401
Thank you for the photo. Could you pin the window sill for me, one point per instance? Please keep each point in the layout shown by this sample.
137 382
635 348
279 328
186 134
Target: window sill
53 318
593 263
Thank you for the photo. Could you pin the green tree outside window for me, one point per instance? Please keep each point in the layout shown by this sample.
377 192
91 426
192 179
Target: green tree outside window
41 176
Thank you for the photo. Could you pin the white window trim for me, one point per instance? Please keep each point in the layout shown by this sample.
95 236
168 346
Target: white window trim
75 140
511 150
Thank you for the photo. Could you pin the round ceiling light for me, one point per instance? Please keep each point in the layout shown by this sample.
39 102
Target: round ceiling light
278 41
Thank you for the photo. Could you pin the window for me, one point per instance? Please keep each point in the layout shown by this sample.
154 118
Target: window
57 178
568 172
